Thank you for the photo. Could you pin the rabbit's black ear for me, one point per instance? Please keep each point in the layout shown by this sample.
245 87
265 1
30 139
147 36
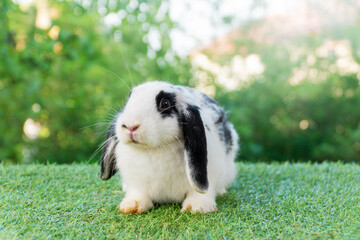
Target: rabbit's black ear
195 148
108 161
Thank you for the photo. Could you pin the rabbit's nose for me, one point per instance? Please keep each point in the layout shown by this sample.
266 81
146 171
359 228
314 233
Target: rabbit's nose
131 128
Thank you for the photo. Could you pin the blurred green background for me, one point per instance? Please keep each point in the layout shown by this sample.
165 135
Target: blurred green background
287 73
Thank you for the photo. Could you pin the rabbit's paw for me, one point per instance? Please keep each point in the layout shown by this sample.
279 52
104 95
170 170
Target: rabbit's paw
135 205
199 205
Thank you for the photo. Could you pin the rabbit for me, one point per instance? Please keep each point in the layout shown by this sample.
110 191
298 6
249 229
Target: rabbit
170 143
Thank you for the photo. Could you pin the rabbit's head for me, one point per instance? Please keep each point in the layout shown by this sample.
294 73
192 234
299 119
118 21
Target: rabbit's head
150 118
155 115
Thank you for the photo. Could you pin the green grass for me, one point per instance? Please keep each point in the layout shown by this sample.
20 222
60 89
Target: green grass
267 201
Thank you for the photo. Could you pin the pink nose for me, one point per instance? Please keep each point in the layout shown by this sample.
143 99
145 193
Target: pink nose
131 128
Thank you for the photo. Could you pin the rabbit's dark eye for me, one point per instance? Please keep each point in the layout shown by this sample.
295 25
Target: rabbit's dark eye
164 103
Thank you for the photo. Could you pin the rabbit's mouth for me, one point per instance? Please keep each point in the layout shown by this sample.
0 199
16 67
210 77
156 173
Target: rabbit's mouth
135 139
132 138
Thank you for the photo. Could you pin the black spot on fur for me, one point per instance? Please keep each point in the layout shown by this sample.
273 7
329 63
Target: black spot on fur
207 127
171 97
221 121
224 131
108 160
209 100
221 118
195 146
212 104
178 88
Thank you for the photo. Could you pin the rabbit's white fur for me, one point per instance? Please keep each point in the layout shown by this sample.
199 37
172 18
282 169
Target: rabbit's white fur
153 165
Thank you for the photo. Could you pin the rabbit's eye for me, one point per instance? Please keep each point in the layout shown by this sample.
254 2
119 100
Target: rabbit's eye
164 103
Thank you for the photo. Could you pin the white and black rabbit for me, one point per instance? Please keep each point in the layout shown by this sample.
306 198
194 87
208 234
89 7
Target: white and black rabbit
171 144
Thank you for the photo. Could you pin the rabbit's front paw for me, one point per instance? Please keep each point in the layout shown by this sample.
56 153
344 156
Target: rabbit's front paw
135 206
199 204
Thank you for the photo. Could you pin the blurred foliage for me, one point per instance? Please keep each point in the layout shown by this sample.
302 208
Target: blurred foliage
72 77
71 83
312 118
269 116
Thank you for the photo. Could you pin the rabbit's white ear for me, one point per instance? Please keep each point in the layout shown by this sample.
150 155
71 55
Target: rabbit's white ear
195 148
108 161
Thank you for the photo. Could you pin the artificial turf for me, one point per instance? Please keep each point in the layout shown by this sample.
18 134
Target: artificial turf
267 201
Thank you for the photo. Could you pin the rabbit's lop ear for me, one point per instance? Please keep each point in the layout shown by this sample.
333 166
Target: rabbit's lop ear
195 148
108 161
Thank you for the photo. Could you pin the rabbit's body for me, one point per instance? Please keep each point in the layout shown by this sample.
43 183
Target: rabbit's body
180 149
158 172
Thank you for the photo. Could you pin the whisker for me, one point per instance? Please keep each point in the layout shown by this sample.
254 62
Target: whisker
114 110
120 107
116 76
95 125
103 132
127 68
167 109
112 116
100 148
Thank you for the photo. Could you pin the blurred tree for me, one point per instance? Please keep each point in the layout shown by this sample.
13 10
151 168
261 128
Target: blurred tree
61 79
11 113
303 106
59 84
